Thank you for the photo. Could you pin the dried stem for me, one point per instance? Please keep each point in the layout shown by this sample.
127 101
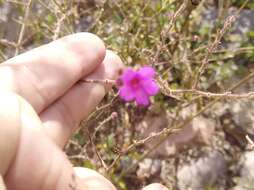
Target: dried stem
102 81
227 95
16 2
91 138
6 42
62 10
104 165
212 48
101 124
175 15
163 45
58 27
23 26
136 143
3 56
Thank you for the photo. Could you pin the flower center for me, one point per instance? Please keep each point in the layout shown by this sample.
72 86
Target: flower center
134 82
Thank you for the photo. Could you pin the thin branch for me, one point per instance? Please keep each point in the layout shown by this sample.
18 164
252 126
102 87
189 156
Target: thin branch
212 48
136 143
236 51
23 26
3 56
58 27
102 81
104 165
227 95
6 42
101 124
15 2
46 6
62 10
175 15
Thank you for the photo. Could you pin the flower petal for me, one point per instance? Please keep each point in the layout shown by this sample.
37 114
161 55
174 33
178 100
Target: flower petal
128 75
141 97
150 87
126 93
147 72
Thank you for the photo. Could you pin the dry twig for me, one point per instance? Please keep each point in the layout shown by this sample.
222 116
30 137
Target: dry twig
23 26
225 95
212 48
104 165
102 81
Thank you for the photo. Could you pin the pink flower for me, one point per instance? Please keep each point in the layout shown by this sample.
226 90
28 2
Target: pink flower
138 85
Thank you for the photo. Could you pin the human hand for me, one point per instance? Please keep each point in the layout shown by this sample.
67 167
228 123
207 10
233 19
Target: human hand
42 104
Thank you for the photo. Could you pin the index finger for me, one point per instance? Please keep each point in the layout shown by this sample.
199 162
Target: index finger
2 186
46 73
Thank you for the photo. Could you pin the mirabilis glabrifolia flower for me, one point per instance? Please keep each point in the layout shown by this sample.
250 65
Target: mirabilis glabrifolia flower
138 85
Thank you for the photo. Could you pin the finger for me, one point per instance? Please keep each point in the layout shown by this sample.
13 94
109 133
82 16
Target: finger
63 117
155 186
9 129
93 180
46 73
2 186
38 158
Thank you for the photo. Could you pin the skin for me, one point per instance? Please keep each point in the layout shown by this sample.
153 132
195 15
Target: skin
41 105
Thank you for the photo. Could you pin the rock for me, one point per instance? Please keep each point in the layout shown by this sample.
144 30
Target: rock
236 116
245 21
9 28
208 171
168 172
237 119
4 10
201 129
243 114
243 24
246 180
247 170
205 128
148 167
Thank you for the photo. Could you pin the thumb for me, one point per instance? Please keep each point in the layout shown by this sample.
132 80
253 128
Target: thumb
155 186
9 130
91 180
2 186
